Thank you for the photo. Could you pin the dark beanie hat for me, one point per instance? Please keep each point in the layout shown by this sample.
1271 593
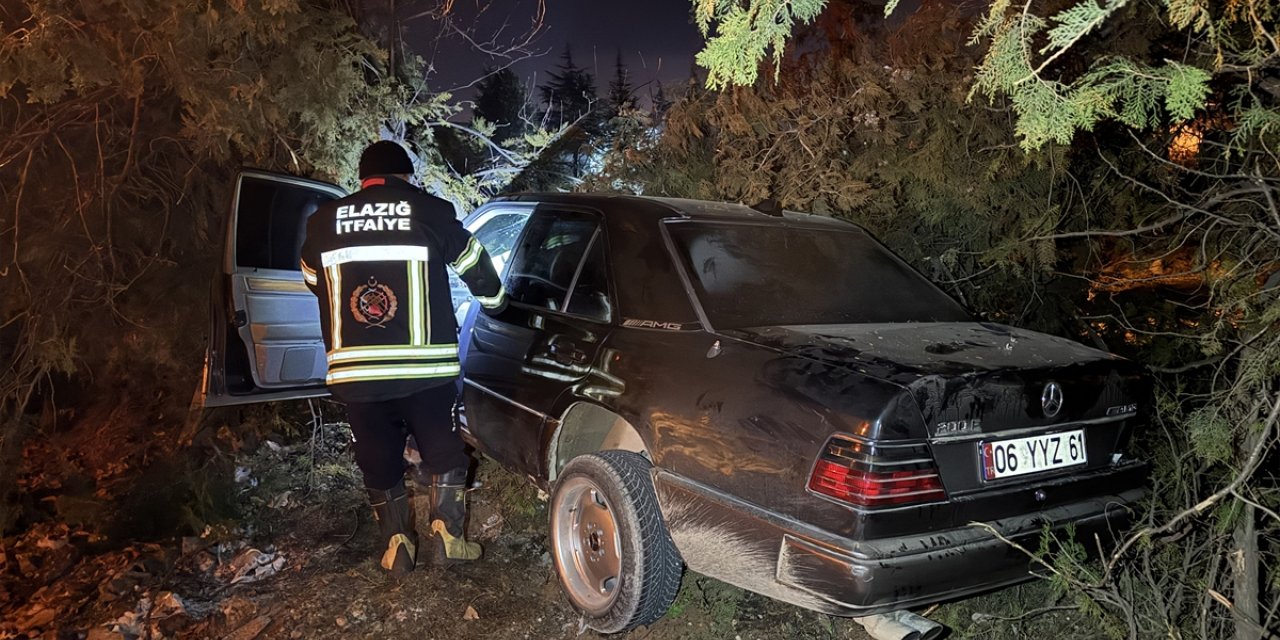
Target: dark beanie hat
384 158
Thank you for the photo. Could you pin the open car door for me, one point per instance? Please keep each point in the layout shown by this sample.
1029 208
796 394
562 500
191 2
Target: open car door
264 340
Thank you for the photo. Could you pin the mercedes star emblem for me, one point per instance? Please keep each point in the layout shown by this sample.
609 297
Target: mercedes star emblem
1051 399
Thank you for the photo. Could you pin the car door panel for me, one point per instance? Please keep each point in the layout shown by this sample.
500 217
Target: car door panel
265 340
283 325
519 364
516 374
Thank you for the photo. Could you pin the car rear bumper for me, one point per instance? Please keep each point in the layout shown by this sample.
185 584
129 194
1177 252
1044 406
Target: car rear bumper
740 543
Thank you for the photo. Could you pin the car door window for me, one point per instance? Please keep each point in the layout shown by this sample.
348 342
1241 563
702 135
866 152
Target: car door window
271 222
590 296
498 234
547 260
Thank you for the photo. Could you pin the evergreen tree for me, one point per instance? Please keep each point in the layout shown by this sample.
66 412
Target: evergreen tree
621 94
501 101
571 105
570 94
1169 117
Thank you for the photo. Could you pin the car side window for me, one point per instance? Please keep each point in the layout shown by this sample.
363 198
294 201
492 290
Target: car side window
498 235
547 260
590 296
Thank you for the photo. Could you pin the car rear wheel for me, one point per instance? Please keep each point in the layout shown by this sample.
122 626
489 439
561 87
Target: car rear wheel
615 560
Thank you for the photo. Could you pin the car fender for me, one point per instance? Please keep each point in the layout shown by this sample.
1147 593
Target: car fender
587 427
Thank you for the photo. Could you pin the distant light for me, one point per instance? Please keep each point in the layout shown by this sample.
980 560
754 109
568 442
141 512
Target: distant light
1185 146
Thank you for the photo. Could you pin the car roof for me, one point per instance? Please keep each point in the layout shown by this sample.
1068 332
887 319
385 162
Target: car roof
674 208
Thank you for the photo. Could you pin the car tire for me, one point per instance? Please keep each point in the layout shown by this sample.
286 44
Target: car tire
614 558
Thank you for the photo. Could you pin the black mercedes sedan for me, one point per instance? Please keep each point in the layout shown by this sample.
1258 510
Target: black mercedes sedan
773 400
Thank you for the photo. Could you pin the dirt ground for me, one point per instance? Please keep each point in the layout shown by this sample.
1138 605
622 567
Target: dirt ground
297 562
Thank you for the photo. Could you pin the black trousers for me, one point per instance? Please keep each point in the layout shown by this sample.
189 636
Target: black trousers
379 430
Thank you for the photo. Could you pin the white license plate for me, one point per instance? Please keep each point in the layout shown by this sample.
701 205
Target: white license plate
1020 456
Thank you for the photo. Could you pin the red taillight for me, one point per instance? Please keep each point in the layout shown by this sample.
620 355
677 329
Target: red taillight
871 476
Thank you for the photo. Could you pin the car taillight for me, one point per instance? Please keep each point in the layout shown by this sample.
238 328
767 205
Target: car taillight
871 475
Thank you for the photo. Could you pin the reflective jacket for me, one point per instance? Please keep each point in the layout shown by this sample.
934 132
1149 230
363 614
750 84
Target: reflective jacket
376 262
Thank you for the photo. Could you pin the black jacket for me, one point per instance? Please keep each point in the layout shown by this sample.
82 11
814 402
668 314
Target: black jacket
376 262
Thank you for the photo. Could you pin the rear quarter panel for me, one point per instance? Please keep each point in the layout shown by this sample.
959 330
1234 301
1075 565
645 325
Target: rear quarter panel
748 422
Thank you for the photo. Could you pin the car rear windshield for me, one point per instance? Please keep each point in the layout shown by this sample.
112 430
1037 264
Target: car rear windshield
757 275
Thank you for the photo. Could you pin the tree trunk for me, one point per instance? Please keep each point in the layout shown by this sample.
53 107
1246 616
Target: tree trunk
1244 563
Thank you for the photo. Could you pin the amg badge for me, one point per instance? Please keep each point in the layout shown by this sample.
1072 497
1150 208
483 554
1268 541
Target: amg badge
1122 409
652 324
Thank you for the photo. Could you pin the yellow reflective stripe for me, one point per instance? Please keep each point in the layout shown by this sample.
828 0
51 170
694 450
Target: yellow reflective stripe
415 302
386 352
425 299
335 305
469 258
492 302
392 372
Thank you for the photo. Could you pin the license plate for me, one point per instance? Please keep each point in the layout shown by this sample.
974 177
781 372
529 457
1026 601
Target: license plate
1020 456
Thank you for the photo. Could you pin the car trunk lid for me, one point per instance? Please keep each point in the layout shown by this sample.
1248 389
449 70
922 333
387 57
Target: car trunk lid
989 393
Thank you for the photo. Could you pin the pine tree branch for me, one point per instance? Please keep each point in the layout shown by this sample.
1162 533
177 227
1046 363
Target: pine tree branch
1083 32
1252 625
486 140
1271 201
1174 219
1189 366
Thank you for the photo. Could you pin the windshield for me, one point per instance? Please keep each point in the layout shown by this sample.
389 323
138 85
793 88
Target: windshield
753 275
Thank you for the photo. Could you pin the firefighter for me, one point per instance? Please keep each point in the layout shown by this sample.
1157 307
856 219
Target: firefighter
375 261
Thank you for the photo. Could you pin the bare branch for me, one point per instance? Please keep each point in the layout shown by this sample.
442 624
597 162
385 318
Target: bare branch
1174 219
1246 471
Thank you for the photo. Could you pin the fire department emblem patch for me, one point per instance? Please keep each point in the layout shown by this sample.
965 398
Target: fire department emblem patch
373 304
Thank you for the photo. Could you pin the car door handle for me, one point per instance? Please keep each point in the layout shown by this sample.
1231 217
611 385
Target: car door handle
567 352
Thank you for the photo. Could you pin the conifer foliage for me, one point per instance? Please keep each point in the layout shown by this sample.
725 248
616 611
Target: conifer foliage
621 94
570 94
1169 215
501 101
744 32
122 124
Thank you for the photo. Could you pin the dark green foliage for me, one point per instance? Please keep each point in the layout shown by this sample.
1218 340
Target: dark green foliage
621 96
501 101
659 101
570 95
575 113
895 148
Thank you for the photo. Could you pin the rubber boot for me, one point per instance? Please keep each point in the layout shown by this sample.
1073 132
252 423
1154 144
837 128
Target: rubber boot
448 519
399 542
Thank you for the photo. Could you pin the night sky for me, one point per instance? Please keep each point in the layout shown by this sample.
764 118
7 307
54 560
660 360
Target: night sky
657 39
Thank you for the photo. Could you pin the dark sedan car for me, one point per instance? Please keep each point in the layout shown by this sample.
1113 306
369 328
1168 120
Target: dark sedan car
776 401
